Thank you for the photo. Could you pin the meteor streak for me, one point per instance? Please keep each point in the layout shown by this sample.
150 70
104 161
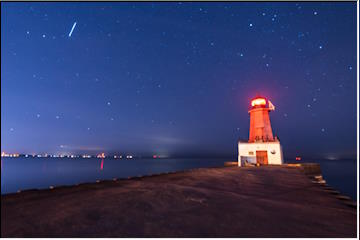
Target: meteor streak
72 29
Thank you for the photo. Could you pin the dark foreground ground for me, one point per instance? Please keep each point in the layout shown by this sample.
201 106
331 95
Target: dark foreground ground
216 202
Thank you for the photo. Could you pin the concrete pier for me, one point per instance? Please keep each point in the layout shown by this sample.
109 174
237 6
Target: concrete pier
269 201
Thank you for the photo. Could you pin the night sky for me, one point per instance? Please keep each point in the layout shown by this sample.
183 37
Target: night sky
176 79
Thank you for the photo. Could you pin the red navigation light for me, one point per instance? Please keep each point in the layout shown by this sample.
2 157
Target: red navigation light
154 156
258 102
298 158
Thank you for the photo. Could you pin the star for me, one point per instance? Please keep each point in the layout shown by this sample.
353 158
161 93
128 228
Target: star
152 67
323 129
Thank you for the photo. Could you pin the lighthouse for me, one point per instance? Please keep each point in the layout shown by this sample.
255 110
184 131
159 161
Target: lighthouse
262 147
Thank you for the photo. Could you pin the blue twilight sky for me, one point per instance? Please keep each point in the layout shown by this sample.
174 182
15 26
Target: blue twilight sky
176 78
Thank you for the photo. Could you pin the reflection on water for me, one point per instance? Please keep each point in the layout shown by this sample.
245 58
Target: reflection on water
28 173
102 164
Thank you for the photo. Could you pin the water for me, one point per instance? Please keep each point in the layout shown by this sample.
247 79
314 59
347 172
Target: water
28 173
339 174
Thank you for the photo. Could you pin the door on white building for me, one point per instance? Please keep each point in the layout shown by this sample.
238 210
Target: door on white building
262 157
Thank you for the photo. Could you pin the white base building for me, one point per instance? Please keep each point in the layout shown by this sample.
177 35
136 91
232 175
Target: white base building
260 152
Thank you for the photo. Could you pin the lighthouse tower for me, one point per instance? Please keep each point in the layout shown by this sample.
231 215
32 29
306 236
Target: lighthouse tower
262 147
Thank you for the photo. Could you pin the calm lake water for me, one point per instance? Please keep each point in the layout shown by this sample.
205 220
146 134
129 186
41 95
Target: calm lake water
29 173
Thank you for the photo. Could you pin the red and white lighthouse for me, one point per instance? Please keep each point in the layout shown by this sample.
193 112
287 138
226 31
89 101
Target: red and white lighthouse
260 127
262 147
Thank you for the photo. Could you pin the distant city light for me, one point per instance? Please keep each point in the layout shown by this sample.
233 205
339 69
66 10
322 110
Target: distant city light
4 154
87 156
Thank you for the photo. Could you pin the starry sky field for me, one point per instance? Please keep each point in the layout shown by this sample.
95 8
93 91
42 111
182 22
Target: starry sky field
177 78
